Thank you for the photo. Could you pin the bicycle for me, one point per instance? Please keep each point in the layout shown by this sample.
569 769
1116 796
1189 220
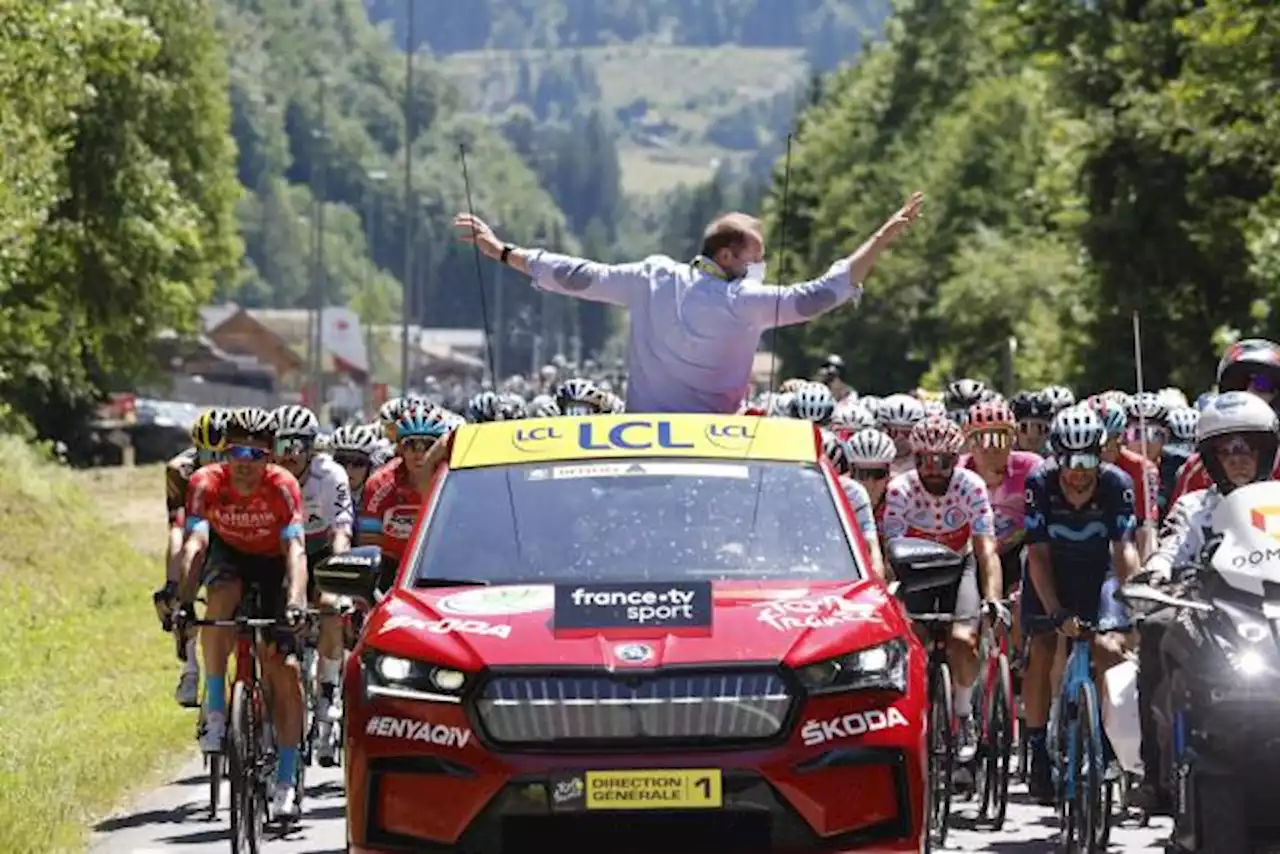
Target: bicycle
249 748
1075 743
994 701
942 747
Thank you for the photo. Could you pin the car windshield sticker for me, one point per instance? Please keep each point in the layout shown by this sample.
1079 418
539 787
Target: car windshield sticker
665 605
650 468
499 601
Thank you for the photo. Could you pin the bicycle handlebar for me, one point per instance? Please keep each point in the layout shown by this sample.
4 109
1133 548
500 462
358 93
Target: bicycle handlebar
931 617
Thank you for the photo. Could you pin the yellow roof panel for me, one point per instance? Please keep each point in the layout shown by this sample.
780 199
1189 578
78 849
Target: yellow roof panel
596 437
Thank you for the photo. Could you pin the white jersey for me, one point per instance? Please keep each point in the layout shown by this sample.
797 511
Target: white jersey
326 501
860 501
1183 533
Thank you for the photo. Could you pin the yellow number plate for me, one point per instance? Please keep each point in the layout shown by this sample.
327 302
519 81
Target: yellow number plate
654 790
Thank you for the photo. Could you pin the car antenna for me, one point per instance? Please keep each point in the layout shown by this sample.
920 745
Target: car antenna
782 268
777 314
488 330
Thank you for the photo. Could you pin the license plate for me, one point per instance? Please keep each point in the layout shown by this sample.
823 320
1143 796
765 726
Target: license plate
697 788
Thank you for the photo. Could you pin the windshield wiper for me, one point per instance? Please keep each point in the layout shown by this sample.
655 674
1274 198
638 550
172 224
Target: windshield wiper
449 582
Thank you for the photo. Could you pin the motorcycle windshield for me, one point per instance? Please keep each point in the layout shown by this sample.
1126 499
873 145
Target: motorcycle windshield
1249 521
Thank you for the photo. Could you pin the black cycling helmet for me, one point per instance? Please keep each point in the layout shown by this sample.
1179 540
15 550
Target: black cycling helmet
1030 404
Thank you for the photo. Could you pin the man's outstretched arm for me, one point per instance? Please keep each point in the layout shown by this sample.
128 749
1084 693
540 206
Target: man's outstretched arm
767 306
562 274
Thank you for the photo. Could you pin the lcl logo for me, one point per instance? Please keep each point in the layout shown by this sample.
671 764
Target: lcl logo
524 437
731 437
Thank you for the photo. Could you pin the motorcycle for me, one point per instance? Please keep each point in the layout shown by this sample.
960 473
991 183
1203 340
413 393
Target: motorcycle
1220 710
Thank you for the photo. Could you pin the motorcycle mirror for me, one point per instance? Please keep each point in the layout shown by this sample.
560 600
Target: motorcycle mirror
1131 593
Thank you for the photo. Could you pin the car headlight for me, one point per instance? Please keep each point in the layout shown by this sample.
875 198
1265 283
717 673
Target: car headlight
882 667
394 676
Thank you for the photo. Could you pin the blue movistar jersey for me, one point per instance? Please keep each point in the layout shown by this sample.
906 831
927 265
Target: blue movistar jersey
1079 538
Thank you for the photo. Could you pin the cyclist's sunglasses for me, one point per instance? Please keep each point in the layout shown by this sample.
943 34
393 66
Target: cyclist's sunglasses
417 444
204 457
1134 434
352 461
1082 462
246 454
992 439
293 446
899 433
936 462
1033 426
1232 446
870 474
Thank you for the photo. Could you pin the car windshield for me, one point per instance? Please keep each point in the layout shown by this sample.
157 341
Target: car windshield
636 520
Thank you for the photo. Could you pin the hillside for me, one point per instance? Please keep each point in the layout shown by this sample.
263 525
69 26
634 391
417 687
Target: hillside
689 88
678 112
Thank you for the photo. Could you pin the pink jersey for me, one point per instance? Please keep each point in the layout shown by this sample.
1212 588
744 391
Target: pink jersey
1009 499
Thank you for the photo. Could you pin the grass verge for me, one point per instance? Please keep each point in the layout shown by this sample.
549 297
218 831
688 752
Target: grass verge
86 678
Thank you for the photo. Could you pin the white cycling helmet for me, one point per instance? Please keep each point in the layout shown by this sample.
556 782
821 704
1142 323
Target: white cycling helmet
295 421
813 402
357 439
1059 397
852 416
870 447
1182 424
543 406
1077 430
1173 397
899 410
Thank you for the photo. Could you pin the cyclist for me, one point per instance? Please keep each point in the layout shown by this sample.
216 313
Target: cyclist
1141 471
326 499
1079 522
838 454
897 415
1148 428
990 430
246 517
870 454
1032 412
1182 440
356 449
207 442
849 418
1237 436
949 505
395 493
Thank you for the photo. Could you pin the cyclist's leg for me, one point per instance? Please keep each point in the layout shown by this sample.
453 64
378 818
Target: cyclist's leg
963 601
1011 569
329 652
223 587
1037 691
283 676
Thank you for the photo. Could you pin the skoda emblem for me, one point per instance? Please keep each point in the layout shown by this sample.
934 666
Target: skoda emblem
633 653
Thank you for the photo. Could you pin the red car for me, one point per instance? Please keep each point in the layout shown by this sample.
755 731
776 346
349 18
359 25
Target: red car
636 632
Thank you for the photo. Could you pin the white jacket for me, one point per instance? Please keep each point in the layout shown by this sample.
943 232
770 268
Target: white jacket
1184 533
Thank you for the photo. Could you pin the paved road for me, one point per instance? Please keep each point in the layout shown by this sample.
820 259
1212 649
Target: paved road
172 820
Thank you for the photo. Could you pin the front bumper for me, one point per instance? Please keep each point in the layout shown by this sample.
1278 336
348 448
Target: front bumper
439 788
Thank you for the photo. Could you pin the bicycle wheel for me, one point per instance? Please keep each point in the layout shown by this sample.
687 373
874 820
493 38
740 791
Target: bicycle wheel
998 746
242 754
1093 776
941 753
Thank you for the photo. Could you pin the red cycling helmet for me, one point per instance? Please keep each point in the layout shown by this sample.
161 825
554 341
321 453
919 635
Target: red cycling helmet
990 415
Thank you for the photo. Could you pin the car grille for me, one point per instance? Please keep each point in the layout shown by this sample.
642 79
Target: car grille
602 708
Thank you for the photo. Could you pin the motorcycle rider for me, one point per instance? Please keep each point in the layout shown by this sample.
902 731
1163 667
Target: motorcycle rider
1237 438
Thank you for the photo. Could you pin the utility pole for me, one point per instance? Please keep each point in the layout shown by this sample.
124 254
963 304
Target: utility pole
409 212
322 277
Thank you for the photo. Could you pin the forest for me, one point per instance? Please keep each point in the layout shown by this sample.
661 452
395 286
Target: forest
1083 162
